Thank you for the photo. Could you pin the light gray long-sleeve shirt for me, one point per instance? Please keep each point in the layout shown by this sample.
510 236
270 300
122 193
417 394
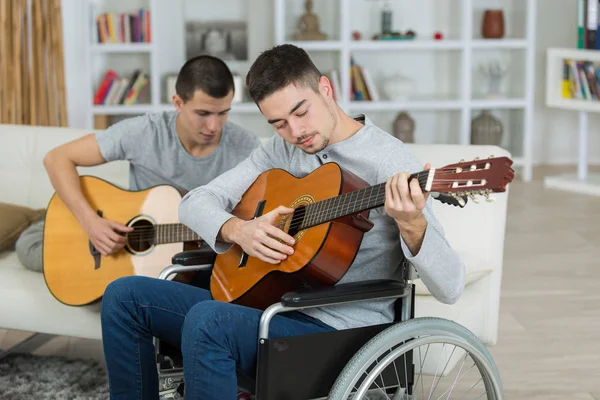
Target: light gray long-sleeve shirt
373 155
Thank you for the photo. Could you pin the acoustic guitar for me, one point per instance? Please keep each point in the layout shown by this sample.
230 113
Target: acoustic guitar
331 216
75 271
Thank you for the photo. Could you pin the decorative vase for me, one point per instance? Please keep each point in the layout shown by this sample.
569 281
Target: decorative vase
492 26
486 129
404 128
398 87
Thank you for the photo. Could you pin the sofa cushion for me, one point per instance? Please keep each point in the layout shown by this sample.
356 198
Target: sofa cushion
14 219
476 268
27 304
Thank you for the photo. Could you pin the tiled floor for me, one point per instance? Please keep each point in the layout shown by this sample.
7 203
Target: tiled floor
549 340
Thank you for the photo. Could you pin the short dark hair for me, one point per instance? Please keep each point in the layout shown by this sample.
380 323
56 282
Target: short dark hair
207 73
279 67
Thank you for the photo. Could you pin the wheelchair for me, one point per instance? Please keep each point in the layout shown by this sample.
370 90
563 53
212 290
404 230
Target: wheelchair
388 361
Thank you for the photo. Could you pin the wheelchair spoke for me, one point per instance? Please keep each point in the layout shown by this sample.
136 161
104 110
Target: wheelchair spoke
421 368
446 366
451 388
475 384
458 378
436 370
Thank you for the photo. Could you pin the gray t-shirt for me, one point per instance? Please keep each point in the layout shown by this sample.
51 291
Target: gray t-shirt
373 155
157 156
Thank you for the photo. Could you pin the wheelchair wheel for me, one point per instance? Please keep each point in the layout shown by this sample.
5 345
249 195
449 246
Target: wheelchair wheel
395 365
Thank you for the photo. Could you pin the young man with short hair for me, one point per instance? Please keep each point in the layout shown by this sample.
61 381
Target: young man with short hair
186 148
219 338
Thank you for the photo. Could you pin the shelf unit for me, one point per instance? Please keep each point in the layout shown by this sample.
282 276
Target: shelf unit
150 50
463 47
582 181
467 44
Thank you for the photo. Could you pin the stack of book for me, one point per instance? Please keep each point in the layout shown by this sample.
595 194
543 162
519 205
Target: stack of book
124 28
126 90
362 86
587 24
581 80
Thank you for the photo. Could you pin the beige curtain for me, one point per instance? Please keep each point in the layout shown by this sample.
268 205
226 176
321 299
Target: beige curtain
32 82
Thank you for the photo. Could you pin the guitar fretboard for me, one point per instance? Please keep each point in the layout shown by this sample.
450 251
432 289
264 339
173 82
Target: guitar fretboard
349 203
174 233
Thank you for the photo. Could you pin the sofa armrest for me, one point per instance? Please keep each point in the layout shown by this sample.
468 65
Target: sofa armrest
344 293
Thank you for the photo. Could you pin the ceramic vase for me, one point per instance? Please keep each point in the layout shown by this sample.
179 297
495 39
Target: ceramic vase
492 26
404 128
486 129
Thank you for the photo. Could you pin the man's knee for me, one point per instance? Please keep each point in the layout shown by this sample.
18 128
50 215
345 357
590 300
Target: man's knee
206 320
29 246
121 289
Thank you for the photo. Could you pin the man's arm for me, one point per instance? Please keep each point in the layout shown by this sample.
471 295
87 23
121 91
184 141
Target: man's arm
61 164
421 235
207 210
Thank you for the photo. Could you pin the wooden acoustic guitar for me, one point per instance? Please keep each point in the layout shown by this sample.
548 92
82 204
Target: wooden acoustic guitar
330 218
77 274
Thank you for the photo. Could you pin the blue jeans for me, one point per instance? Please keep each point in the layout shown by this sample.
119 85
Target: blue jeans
216 339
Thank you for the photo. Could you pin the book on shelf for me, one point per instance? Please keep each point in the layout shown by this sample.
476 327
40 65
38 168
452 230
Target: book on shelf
580 80
362 86
121 90
588 22
124 28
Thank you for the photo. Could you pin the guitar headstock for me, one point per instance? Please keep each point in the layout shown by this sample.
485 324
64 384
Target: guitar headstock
471 178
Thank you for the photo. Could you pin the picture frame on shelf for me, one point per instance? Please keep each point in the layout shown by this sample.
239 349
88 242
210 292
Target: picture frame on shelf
227 40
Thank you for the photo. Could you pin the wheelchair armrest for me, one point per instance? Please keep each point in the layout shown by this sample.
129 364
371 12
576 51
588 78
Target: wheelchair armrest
344 293
204 255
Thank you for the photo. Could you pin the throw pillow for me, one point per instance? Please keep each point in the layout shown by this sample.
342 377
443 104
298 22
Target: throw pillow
14 219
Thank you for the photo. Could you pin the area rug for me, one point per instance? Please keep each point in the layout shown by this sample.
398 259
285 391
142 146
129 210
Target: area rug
27 377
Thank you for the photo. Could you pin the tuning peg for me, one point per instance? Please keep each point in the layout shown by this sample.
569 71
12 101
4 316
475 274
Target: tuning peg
462 160
459 199
473 198
476 158
491 156
488 198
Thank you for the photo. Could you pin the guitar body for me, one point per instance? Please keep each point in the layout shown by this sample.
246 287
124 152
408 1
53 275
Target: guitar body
74 273
322 253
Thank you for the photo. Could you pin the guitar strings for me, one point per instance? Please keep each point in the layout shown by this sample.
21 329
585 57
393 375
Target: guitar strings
298 218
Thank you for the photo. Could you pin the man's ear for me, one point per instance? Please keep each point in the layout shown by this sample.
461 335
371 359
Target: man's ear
325 87
177 101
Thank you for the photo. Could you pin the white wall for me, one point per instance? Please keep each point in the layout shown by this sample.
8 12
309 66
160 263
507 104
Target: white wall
555 130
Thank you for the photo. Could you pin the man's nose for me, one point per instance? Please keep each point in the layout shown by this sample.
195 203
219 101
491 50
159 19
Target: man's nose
213 123
298 129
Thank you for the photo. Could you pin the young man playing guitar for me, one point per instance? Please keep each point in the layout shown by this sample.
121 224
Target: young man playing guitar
185 148
218 338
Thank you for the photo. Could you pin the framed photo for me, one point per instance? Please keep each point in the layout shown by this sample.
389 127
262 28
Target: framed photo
227 40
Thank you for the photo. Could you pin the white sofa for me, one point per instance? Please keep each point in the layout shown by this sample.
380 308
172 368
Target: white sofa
476 232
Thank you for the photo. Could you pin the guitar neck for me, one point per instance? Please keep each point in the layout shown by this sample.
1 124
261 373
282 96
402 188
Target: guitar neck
174 233
350 203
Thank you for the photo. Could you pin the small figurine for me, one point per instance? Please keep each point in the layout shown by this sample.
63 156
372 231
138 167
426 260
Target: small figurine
356 35
438 35
308 25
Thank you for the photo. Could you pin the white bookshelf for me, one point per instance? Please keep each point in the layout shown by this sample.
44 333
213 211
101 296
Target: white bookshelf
129 53
582 181
465 43
461 48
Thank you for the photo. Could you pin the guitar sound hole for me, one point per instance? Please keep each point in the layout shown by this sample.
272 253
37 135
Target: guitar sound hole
142 237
